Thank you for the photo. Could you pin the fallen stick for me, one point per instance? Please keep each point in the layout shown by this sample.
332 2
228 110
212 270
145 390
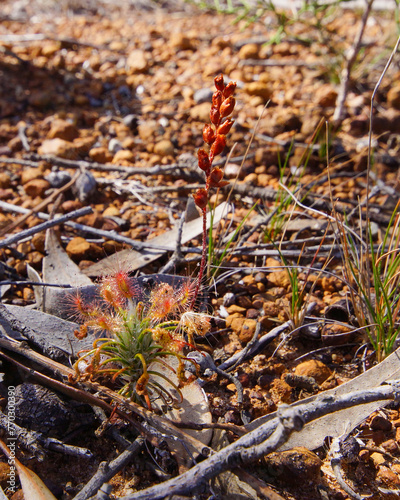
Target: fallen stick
35 442
190 231
107 471
264 440
345 75
35 160
111 235
45 225
40 206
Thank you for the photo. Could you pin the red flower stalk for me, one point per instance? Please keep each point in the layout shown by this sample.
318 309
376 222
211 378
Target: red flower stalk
222 106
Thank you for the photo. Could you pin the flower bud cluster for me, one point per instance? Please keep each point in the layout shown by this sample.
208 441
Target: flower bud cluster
214 135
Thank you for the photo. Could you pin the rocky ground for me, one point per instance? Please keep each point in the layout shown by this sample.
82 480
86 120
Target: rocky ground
121 95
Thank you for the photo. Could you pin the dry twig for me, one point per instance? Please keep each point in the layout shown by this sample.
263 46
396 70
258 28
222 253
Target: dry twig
106 470
45 225
40 206
351 59
35 442
263 440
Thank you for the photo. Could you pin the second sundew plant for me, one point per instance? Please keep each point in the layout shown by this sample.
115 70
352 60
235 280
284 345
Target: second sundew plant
143 333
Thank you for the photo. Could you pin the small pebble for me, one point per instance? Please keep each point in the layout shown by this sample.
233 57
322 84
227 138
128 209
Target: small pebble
114 146
131 121
298 465
85 186
380 423
36 187
58 179
203 95
315 369
229 299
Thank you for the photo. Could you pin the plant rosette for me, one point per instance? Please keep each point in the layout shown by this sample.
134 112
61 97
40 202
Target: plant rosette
142 329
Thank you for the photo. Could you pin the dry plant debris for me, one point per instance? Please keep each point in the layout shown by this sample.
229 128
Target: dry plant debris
102 113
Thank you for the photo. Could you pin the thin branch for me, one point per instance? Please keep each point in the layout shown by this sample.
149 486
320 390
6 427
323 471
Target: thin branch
23 137
307 252
34 161
107 471
275 62
40 206
329 217
34 283
35 442
177 257
250 345
258 344
288 143
82 164
371 114
336 461
28 439
264 440
33 37
206 362
351 59
109 235
45 225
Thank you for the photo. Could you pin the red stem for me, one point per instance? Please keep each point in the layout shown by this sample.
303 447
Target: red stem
203 258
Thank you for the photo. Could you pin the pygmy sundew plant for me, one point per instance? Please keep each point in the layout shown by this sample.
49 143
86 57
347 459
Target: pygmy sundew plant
141 332
214 134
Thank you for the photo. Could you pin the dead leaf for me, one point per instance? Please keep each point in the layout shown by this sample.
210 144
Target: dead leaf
135 260
335 424
58 268
193 409
33 275
4 289
32 486
48 331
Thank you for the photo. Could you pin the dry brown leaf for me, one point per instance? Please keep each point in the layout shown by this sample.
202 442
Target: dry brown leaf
58 267
32 486
193 409
135 260
313 434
